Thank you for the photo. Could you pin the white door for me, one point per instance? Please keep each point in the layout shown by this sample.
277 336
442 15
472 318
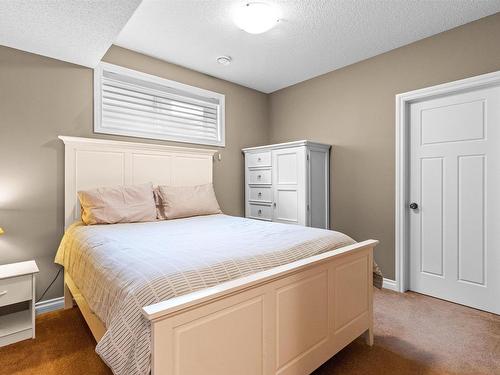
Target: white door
455 181
289 179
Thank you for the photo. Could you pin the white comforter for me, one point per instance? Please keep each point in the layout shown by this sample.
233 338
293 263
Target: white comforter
121 268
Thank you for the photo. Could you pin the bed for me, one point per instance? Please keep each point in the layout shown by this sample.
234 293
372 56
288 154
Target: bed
239 297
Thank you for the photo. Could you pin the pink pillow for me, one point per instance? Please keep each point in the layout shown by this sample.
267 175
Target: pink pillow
118 204
185 201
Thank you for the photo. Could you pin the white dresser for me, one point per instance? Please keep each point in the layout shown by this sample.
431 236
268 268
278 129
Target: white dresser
288 183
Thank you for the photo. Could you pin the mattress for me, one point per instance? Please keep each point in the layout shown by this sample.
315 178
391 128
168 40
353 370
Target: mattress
123 267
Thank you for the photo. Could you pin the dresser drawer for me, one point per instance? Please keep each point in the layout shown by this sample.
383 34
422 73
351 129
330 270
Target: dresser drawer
258 211
262 194
16 289
259 159
259 176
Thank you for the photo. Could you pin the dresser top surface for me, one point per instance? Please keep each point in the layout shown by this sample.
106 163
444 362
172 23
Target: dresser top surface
18 269
288 144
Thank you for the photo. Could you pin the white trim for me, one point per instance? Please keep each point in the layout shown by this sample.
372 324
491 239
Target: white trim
134 145
390 284
402 159
49 305
275 146
188 89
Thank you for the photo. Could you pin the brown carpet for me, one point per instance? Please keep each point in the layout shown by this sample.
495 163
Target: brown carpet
414 334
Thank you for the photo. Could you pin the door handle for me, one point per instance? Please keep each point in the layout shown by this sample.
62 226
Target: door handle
413 206
3 293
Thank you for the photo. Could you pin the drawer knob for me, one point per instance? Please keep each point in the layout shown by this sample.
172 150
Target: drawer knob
3 293
260 212
259 159
259 176
260 194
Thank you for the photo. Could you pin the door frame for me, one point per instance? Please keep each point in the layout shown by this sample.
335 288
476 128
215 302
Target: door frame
403 101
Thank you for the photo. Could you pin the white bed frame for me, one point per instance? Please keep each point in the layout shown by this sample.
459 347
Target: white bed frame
286 320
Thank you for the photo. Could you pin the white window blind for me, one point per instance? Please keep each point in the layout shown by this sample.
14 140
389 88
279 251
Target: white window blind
136 104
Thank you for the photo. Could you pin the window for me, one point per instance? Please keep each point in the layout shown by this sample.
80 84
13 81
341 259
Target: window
131 103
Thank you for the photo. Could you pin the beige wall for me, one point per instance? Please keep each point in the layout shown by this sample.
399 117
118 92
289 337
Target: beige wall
41 98
353 109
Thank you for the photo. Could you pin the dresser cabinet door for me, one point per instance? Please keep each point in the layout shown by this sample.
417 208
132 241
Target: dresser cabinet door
289 190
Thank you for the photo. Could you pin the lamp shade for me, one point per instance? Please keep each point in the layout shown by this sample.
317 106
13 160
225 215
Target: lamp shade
1 231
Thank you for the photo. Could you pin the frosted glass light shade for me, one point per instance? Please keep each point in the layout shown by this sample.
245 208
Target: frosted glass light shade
256 18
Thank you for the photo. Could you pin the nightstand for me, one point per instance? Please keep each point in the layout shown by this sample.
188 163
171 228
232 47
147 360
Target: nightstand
17 284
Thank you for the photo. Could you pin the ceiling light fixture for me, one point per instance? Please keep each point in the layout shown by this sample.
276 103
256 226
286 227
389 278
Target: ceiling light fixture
224 60
256 18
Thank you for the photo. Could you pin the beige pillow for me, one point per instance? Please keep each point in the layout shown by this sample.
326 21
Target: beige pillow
119 204
186 201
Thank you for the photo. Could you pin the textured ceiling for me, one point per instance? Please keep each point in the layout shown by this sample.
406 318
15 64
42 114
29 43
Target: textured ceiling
313 37
78 31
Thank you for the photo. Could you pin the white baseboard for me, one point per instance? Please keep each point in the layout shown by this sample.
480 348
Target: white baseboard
390 284
49 305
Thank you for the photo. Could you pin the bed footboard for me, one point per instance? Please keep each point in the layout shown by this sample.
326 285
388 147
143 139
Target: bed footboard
287 320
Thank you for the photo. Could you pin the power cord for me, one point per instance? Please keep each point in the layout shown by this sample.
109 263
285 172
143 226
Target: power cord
51 283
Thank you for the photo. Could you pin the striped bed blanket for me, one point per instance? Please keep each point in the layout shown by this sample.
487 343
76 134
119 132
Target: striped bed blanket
124 267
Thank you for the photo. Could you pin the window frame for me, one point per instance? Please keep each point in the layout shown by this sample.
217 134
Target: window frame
193 90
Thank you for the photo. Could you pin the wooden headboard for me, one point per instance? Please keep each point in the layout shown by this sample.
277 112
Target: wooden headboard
91 163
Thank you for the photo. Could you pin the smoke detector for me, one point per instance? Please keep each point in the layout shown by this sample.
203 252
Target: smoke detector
224 60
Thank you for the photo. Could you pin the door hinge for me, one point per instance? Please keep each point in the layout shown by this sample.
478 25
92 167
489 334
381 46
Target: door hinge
307 207
307 156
